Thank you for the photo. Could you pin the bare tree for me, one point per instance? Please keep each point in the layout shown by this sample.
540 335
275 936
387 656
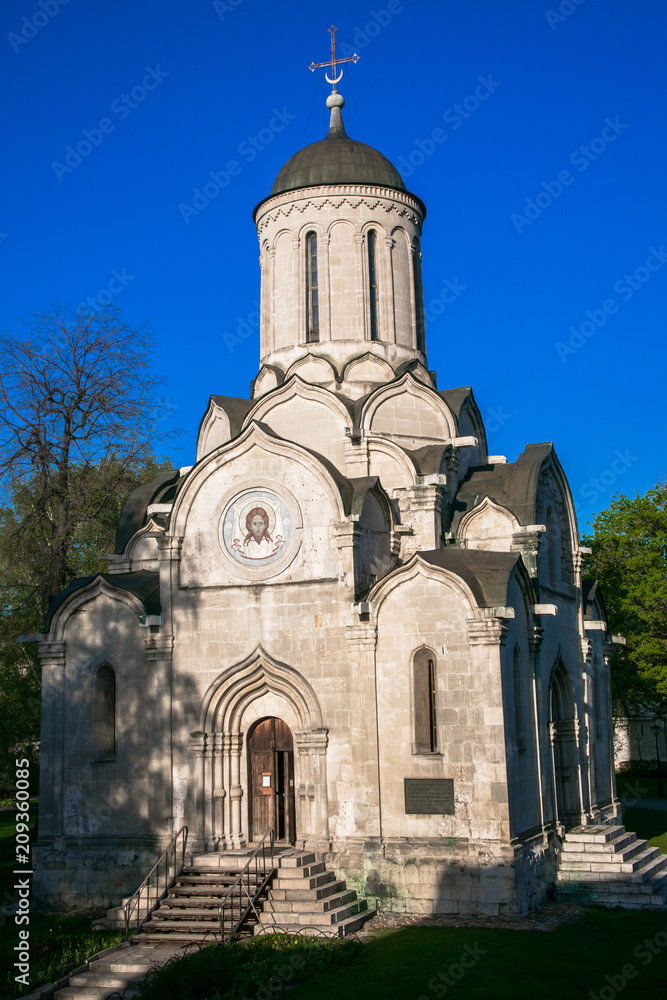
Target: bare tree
79 415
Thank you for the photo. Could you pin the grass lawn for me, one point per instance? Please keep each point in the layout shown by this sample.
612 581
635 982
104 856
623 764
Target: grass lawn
413 963
648 824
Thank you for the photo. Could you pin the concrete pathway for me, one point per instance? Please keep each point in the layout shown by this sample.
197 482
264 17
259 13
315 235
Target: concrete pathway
110 974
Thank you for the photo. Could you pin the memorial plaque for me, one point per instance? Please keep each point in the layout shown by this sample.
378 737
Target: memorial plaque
429 796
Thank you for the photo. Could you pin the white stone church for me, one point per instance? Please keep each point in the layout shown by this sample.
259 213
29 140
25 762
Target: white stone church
346 621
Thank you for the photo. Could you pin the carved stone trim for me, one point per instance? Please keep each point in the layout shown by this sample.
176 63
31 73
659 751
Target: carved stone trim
487 632
52 654
362 637
312 741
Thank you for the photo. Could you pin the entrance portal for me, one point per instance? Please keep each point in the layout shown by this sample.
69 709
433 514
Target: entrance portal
271 780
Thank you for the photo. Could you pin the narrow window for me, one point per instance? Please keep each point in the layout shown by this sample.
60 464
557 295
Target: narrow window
105 712
518 702
312 304
431 706
426 731
372 283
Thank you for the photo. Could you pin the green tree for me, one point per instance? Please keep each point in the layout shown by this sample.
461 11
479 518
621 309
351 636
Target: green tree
629 558
80 415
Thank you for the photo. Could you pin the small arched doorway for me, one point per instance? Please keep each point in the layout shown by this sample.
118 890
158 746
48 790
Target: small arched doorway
564 742
271 780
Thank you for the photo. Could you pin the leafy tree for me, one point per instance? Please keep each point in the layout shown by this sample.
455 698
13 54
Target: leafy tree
79 411
629 544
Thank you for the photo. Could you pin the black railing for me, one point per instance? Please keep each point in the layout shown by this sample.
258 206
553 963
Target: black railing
242 895
154 887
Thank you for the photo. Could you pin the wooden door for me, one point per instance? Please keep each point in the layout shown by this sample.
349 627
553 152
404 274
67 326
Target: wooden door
271 779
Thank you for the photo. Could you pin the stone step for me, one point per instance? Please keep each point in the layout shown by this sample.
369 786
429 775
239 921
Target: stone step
633 864
616 844
198 890
312 882
298 874
297 860
100 979
594 834
317 892
180 936
622 854
320 905
325 919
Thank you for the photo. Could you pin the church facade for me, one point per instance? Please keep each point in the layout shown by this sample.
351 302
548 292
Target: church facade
346 621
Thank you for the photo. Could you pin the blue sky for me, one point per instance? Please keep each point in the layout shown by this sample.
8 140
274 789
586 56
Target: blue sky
545 244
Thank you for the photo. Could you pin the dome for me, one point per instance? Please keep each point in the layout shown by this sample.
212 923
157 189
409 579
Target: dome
337 159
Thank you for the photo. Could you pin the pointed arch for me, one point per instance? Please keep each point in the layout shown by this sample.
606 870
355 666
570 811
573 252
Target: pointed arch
229 696
424 415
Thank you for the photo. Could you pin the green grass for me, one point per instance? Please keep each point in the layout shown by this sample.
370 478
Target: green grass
58 944
567 964
638 786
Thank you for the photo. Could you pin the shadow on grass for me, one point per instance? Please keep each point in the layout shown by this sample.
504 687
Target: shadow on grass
421 963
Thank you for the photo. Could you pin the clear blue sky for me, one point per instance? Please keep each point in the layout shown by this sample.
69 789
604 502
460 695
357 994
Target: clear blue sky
202 78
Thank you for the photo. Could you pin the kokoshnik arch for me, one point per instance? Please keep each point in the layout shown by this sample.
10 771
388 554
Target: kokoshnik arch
345 594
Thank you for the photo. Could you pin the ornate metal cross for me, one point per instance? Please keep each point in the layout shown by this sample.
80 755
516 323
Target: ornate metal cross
333 61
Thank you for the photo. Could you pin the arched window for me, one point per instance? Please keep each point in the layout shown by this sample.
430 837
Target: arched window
419 300
553 548
104 733
426 732
312 291
518 702
373 284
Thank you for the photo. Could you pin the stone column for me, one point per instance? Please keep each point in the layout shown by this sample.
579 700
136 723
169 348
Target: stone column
219 792
299 266
348 537
421 508
413 294
159 654
362 644
52 657
312 824
324 277
388 318
363 296
233 746
199 749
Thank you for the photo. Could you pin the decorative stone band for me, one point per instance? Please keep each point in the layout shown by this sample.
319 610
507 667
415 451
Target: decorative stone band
314 741
159 648
362 637
545 609
487 632
591 626
52 653
389 199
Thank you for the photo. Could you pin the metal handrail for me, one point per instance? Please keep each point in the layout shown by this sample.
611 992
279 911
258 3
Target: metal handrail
154 891
247 905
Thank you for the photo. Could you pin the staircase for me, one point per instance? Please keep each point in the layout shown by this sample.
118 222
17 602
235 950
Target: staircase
189 911
306 894
607 866
302 893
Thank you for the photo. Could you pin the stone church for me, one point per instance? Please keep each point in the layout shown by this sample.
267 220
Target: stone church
346 621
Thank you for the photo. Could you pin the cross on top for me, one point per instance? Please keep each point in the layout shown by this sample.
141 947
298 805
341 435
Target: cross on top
333 62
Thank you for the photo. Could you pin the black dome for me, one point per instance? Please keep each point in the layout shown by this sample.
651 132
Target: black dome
337 159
